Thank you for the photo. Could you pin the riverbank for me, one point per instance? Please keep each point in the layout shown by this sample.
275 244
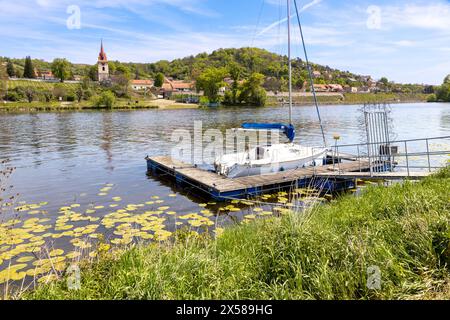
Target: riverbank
164 104
121 104
353 98
331 252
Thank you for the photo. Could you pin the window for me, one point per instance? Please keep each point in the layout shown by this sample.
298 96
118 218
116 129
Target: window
103 68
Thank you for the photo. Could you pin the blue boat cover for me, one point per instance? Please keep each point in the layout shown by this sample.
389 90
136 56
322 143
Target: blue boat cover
287 129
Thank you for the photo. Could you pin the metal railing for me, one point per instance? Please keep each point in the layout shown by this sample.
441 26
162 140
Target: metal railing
426 154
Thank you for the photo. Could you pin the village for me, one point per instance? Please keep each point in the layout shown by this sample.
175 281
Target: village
166 88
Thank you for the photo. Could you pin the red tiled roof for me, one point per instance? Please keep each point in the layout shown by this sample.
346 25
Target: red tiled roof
143 82
171 85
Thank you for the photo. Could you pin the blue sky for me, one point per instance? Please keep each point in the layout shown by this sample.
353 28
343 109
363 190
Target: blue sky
406 41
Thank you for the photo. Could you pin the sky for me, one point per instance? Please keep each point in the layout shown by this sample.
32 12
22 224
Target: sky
405 41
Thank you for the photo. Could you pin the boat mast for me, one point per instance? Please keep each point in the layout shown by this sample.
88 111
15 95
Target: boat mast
289 58
308 66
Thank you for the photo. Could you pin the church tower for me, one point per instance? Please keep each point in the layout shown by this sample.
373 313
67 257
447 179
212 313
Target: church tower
103 69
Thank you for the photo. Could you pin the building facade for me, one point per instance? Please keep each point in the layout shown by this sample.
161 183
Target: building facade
103 69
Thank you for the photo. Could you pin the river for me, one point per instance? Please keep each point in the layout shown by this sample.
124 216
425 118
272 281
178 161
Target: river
94 161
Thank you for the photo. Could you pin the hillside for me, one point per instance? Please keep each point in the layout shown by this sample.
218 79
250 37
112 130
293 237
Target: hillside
247 60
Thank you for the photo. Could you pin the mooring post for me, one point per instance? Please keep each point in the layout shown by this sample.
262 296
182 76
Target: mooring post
407 157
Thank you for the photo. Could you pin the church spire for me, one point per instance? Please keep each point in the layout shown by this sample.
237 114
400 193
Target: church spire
102 55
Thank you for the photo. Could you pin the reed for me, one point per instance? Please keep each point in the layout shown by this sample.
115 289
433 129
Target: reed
323 253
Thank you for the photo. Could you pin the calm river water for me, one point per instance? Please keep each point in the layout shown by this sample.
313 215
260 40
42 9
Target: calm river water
94 161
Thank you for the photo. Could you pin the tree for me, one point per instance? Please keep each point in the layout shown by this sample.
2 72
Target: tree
29 93
3 82
384 81
210 81
443 93
79 92
48 95
159 80
120 86
61 69
252 92
447 79
235 72
10 69
59 91
106 99
123 70
93 72
28 71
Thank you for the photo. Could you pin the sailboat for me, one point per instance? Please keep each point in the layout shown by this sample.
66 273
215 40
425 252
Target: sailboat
265 159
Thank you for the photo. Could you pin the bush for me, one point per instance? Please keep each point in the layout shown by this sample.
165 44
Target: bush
59 91
204 101
432 98
106 100
47 95
70 97
13 96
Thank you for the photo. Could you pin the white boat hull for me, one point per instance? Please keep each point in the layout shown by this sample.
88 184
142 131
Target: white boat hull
275 158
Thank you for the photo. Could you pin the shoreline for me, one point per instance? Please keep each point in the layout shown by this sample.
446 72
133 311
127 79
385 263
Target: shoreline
272 101
285 257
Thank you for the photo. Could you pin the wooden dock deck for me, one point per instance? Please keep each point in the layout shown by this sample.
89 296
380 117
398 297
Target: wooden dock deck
330 177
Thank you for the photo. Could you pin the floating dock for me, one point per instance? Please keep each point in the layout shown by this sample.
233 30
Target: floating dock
328 178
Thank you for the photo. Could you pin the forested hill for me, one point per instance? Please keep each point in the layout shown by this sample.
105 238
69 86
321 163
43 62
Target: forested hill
247 60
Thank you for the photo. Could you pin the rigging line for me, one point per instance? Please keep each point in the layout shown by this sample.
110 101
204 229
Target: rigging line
280 41
310 75
289 59
258 21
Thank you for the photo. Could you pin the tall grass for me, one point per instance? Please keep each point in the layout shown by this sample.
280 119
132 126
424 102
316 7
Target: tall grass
323 254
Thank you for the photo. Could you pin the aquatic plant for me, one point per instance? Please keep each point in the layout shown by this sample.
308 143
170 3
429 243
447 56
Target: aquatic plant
327 253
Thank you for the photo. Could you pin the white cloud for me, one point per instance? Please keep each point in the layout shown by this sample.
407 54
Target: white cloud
424 16
277 23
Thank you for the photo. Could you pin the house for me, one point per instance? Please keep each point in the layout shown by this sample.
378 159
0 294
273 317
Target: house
139 85
328 88
317 74
335 88
364 89
349 89
45 75
321 88
177 87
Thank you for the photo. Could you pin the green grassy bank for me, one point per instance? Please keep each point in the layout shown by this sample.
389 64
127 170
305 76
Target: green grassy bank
358 98
404 230
120 104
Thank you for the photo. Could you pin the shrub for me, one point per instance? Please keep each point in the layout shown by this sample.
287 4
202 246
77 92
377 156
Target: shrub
13 96
204 101
70 97
47 95
432 98
107 100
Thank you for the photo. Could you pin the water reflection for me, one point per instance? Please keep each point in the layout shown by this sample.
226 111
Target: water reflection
81 148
